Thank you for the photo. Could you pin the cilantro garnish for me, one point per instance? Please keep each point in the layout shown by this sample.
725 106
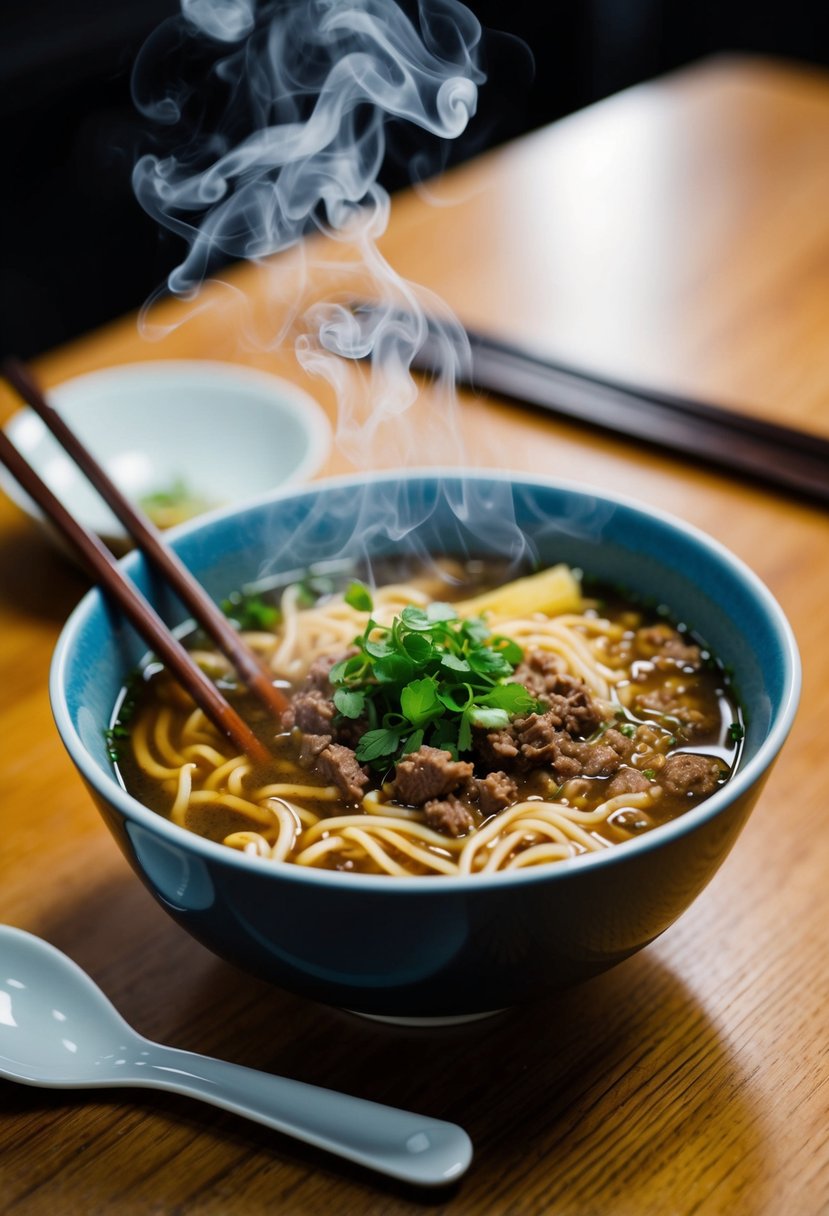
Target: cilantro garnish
120 728
250 612
429 677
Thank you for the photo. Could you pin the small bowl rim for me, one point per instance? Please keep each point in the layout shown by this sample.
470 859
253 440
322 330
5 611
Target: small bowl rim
295 400
419 885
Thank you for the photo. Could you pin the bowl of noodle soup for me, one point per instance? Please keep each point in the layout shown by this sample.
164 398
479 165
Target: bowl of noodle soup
528 722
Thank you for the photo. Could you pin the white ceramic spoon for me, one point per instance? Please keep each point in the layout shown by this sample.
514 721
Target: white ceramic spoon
57 1029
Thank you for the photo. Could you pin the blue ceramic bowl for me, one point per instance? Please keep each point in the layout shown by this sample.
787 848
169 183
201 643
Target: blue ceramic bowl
438 947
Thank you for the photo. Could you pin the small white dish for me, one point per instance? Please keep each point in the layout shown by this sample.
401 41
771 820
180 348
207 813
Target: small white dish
210 433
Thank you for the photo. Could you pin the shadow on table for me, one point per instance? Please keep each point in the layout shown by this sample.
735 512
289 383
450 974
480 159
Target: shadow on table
624 1083
35 578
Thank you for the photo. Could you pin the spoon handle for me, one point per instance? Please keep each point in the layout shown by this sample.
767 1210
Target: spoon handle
414 1148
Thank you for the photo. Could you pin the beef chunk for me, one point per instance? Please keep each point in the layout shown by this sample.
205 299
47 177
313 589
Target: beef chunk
350 730
310 747
628 781
339 765
664 642
494 792
689 773
428 773
311 711
448 815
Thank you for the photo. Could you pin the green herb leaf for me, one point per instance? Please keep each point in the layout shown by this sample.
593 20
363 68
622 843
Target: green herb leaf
413 742
347 669
441 612
429 677
250 612
508 650
736 732
349 702
358 596
457 698
395 668
492 719
418 647
419 701
452 663
377 743
415 618
378 648
465 734
514 698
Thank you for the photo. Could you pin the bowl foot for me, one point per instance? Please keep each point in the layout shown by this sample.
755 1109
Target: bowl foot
450 1020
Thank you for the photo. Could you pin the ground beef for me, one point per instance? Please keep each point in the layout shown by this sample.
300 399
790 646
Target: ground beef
319 671
428 773
573 708
673 704
495 748
448 815
339 765
689 773
535 733
623 745
494 792
663 642
567 697
539 672
627 781
598 759
541 743
531 742
312 712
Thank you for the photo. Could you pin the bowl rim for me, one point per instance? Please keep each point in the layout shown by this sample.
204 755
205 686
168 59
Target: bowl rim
293 400
212 851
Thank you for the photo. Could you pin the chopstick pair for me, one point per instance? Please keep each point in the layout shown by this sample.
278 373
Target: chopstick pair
780 456
106 571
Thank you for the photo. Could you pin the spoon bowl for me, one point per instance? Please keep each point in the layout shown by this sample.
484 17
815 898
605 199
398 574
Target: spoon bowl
58 1030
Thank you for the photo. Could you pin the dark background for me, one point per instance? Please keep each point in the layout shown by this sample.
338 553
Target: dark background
76 248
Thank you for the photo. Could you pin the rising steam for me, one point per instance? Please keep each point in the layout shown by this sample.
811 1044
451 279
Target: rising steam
307 90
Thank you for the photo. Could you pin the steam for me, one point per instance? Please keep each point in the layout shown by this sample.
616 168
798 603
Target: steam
310 88
359 62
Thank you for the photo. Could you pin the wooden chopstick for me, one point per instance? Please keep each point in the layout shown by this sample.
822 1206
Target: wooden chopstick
104 568
149 541
767 452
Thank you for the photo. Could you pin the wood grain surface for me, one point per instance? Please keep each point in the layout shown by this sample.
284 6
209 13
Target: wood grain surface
678 235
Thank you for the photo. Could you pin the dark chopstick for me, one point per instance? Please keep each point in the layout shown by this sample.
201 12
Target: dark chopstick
104 568
149 541
777 455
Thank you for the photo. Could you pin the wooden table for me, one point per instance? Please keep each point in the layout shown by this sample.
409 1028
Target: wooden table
678 235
